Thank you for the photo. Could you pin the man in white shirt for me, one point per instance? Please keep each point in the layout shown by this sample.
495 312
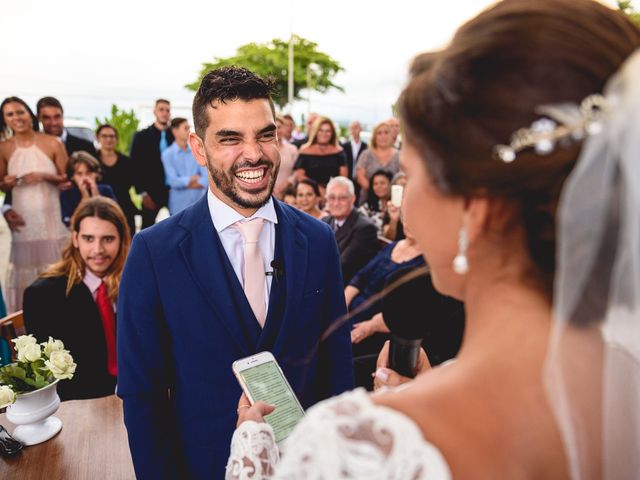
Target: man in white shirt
394 125
234 274
353 149
356 235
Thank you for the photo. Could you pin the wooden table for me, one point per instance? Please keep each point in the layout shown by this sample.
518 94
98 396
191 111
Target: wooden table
91 445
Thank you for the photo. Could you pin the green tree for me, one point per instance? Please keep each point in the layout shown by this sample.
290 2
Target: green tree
126 123
626 7
272 60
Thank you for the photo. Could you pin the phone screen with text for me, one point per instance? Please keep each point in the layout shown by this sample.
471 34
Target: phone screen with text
265 382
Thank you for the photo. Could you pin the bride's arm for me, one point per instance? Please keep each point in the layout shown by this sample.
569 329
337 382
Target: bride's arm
254 452
341 438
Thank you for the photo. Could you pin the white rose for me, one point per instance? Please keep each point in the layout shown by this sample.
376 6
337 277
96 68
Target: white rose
52 345
23 340
29 353
61 364
7 396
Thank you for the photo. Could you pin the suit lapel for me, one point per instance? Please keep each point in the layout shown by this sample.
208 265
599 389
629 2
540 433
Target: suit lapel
204 256
343 232
294 257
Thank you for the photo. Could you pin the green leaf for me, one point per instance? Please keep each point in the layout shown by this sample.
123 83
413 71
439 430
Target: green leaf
311 67
14 370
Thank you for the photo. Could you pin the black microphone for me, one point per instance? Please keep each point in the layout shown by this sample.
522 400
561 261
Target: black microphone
278 269
401 309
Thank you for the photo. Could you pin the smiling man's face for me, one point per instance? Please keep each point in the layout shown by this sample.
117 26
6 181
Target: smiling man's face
240 150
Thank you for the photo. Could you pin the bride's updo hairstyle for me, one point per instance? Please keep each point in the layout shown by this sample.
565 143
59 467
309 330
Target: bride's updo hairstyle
464 100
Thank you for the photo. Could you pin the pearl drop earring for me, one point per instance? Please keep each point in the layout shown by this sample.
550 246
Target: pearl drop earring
460 262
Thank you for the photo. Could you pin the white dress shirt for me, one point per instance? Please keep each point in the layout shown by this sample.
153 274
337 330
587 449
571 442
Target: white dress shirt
355 149
92 281
223 217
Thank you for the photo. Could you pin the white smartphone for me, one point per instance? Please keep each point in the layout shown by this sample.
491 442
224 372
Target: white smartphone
396 195
261 378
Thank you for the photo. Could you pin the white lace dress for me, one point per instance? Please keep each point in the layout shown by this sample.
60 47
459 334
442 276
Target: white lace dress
345 437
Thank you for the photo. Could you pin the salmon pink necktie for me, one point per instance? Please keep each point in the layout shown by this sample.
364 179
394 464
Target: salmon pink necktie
254 276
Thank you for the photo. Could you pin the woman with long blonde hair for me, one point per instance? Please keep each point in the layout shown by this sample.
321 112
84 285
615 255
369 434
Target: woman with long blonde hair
380 156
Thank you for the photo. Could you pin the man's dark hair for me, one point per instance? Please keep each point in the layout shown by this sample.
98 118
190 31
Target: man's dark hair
176 122
48 102
227 84
162 100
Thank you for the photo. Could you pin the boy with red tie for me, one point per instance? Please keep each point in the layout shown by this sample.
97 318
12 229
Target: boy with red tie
74 299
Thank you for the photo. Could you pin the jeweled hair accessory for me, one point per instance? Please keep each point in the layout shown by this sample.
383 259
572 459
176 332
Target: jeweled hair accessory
562 124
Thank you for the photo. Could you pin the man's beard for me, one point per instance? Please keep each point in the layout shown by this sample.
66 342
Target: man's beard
225 182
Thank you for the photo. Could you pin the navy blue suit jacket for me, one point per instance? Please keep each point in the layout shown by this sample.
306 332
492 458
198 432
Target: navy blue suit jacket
180 327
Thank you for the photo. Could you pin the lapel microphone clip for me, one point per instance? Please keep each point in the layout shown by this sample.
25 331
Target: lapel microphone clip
278 270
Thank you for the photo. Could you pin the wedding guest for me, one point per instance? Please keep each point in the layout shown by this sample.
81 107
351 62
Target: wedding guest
355 233
146 149
50 113
117 171
303 137
74 299
375 207
532 109
289 197
288 157
393 229
380 156
321 158
353 148
85 173
369 330
394 125
308 198
32 165
288 128
187 180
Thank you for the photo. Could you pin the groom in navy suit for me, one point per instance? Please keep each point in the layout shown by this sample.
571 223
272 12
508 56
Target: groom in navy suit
183 314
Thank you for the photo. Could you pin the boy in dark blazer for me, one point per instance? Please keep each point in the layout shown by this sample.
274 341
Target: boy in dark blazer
73 300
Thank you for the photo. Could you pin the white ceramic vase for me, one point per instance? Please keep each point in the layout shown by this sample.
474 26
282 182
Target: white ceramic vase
32 412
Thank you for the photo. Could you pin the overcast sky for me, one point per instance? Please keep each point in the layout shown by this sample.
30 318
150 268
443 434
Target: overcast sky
91 54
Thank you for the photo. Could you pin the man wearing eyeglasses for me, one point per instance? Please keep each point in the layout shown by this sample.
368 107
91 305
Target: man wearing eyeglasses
356 235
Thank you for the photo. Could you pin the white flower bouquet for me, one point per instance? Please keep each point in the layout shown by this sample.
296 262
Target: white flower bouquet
38 365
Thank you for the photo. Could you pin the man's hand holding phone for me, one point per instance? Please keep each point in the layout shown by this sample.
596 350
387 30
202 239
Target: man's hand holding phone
255 412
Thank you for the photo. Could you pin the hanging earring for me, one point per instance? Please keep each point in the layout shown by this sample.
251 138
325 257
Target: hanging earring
460 262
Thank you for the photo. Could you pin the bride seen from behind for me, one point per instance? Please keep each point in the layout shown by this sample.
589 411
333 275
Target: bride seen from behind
489 414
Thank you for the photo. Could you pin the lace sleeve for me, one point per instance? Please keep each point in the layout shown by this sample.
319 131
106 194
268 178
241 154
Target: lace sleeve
346 437
349 437
254 453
